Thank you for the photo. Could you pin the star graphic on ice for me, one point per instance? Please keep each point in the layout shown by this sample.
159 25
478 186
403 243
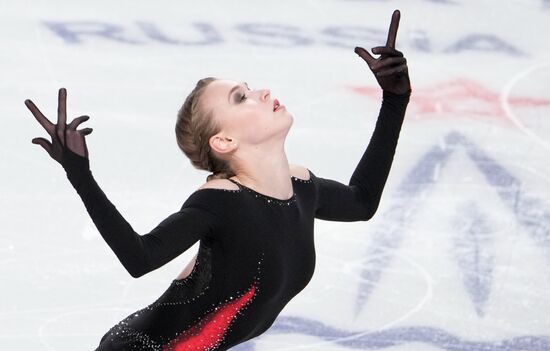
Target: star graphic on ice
463 97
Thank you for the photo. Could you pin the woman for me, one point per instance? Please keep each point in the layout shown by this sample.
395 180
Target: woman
253 217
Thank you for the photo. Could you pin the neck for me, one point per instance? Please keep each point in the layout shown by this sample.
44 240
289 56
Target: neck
264 170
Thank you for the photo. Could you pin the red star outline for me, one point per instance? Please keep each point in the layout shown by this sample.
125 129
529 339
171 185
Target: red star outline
463 97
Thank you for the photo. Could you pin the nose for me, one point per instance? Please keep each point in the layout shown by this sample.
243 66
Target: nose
264 95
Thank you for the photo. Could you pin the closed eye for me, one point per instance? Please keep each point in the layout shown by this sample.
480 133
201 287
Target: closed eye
233 90
244 97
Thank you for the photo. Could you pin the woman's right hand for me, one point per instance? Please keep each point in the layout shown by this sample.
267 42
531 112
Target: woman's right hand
63 136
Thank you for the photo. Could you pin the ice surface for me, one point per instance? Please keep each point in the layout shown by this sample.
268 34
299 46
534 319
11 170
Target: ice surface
457 256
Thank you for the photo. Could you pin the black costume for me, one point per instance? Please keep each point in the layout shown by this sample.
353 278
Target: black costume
256 252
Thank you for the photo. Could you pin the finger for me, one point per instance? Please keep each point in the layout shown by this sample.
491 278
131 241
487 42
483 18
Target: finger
401 68
61 114
44 143
388 62
62 106
392 33
364 54
49 126
379 50
85 131
74 124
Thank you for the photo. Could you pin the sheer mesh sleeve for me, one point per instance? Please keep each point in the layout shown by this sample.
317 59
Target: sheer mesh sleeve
139 254
359 200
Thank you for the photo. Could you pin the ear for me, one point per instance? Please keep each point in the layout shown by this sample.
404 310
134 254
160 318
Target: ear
223 144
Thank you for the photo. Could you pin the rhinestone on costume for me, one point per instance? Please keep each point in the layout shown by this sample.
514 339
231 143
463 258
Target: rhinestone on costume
269 199
210 329
302 180
207 332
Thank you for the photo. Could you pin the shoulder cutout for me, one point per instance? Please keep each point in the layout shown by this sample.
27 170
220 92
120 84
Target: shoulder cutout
219 184
299 172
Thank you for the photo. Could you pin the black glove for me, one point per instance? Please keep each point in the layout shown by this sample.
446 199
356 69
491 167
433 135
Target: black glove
390 69
68 146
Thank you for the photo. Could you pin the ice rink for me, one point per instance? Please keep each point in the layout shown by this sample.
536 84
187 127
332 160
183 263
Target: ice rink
457 256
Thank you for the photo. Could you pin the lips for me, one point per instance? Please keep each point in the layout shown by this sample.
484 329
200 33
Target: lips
276 105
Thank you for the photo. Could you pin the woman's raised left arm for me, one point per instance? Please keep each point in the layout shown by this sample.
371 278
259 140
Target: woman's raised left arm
360 199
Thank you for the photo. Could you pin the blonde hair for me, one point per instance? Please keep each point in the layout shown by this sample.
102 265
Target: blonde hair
194 127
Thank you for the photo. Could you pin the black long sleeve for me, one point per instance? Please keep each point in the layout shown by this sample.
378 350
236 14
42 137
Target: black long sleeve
139 254
360 199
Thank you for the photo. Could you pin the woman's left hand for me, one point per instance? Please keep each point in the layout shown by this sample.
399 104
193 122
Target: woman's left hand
390 69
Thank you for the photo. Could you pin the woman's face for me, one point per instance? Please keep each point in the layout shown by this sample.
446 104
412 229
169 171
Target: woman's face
244 114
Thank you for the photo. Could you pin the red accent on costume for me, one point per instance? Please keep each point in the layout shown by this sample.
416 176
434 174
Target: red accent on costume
211 329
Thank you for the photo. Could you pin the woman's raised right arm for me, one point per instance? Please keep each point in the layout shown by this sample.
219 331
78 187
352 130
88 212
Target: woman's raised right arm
139 254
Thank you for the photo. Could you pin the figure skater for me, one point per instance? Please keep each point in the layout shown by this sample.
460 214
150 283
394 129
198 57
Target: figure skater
253 217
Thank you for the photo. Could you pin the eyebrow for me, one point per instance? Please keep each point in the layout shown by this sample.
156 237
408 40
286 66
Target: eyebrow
235 88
